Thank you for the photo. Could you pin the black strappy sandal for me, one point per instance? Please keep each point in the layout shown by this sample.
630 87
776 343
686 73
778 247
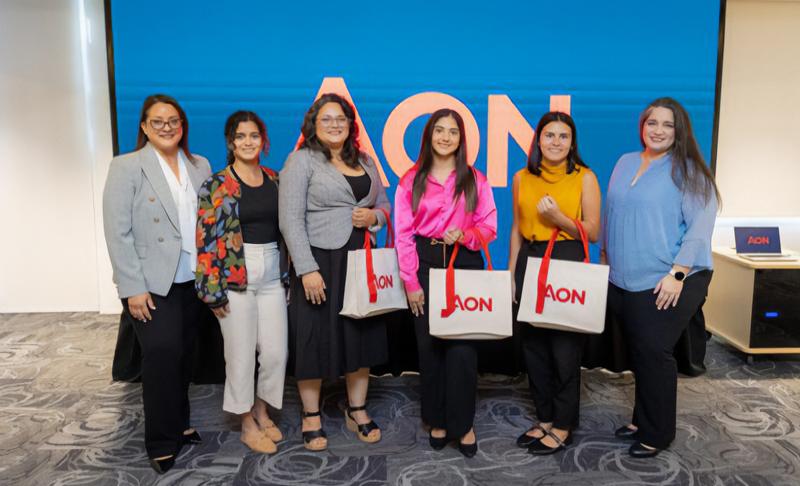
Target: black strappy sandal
539 449
526 440
362 430
310 435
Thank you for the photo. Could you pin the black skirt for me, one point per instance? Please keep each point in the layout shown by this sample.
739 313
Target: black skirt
322 343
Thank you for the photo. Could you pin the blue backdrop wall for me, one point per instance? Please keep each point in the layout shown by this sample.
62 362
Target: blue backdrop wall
611 58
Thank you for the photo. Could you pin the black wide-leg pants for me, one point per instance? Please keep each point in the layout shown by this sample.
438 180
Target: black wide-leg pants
651 335
448 368
167 342
552 357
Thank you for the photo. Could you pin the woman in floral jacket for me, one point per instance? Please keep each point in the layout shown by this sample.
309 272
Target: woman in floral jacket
239 276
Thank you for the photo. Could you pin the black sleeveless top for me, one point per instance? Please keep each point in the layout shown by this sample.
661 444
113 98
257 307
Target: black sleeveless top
258 211
360 185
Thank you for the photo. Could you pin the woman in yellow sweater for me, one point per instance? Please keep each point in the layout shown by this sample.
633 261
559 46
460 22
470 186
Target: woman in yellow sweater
555 189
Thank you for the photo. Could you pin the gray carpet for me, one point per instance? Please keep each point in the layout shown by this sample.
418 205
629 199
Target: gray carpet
63 421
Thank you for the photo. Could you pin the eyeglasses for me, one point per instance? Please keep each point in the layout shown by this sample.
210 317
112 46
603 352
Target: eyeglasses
328 121
159 124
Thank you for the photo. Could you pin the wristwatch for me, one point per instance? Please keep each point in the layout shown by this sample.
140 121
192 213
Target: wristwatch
679 276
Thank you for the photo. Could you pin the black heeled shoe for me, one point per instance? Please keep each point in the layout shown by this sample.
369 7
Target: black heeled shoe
310 435
625 432
539 449
526 440
362 430
639 451
161 466
437 443
193 438
468 450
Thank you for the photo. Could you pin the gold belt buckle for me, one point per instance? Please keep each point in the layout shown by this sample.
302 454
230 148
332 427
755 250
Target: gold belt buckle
435 242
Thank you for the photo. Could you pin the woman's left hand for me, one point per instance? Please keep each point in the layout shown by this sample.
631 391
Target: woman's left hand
668 290
364 217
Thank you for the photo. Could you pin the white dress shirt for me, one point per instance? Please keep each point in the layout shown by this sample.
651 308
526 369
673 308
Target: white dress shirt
185 198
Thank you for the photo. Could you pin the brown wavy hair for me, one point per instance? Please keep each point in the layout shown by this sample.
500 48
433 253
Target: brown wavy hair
351 150
232 124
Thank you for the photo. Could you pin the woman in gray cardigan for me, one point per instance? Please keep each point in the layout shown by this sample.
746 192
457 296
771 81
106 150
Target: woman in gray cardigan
330 194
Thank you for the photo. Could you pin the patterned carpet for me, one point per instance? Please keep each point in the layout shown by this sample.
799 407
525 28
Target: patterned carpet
63 421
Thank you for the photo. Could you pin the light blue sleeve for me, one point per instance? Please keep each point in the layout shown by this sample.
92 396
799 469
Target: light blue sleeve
700 217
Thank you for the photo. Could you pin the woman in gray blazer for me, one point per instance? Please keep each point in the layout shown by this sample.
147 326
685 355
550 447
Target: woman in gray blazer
330 194
149 218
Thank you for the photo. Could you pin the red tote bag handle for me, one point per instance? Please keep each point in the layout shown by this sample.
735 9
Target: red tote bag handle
544 268
373 289
450 275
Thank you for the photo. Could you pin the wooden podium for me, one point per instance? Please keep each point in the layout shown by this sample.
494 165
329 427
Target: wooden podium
755 306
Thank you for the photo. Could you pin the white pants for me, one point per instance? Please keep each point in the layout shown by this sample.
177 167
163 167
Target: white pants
257 322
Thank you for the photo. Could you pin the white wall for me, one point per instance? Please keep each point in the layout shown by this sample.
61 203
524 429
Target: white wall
54 126
758 158
55 143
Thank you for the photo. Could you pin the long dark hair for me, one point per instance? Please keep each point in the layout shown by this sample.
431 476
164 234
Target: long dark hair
141 138
351 152
232 124
535 153
465 177
689 170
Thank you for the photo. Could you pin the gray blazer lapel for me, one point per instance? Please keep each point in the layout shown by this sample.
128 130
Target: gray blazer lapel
335 175
195 176
152 169
375 179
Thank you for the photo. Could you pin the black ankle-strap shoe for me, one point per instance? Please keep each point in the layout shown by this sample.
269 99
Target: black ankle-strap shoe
539 449
310 435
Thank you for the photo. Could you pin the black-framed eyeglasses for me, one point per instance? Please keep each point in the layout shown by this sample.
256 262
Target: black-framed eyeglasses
158 124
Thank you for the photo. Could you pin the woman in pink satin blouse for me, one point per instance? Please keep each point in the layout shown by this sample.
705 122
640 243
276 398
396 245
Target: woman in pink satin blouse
441 201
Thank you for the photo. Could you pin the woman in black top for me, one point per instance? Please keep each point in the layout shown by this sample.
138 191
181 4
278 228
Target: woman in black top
238 276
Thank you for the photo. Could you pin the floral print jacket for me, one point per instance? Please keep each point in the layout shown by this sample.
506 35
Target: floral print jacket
220 248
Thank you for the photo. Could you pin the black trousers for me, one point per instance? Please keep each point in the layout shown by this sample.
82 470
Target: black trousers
552 357
448 368
651 335
167 342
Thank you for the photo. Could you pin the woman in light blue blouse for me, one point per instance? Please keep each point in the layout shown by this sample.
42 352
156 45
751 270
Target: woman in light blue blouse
660 212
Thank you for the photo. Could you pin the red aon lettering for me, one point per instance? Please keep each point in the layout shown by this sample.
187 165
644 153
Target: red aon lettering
384 281
473 304
758 240
565 295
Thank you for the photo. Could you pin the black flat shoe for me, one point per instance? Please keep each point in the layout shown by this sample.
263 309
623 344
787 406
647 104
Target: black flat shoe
539 449
639 451
193 438
625 432
468 450
437 443
162 465
526 440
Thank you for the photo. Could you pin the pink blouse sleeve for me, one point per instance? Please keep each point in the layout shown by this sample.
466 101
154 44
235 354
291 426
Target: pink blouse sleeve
405 244
484 218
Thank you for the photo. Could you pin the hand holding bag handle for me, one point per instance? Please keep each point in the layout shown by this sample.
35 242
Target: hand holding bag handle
544 268
450 276
373 289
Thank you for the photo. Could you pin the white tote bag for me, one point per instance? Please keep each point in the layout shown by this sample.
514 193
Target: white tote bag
470 304
373 285
565 295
